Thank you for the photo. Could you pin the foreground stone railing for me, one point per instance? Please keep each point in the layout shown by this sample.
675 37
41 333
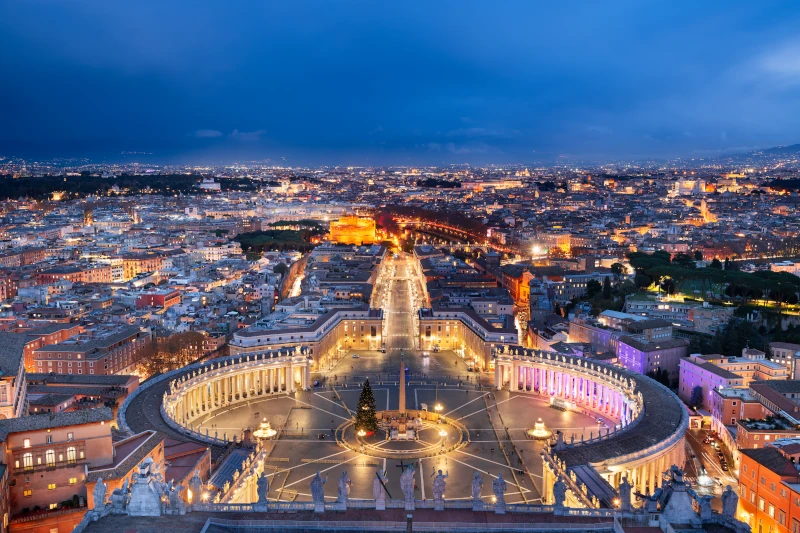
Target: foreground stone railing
374 525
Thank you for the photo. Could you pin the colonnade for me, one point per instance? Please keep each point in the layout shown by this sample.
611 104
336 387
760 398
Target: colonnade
598 392
614 392
215 387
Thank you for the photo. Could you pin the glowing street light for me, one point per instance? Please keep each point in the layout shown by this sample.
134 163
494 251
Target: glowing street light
361 433
442 433
438 408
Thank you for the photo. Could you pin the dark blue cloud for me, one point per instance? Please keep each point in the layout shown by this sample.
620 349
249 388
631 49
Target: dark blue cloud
382 82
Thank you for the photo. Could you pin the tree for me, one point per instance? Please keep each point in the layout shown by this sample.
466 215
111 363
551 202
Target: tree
618 270
280 268
696 399
365 411
715 264
698 255
593 288
641 281
606 289
684 261
557 310
169 353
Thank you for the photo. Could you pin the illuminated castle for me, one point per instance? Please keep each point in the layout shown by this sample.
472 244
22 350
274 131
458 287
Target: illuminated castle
352 229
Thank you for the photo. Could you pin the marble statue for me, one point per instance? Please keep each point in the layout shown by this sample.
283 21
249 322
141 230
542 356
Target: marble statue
477 486
176 504
379 490
119 499
499 487
407 486
343 488
99 494
439 486
196 488
559 493
729 502
625 495
317 492
704 503
262 487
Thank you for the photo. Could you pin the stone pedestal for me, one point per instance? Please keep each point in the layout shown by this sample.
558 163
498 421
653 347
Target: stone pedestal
380 505
477 505
319 507
410 505
438 505
500 508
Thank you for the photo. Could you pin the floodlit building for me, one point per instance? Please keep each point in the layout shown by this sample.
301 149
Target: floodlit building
352 229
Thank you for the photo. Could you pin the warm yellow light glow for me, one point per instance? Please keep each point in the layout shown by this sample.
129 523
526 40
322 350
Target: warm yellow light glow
361 433
438 407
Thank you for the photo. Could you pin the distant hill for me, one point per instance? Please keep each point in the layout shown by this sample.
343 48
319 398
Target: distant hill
779 150
776 152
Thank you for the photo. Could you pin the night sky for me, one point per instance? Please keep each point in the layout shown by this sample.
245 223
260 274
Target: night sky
433 81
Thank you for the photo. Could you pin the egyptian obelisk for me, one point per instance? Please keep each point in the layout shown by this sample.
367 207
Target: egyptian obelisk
402 408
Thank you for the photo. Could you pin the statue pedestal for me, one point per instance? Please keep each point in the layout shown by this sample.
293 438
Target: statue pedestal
477 505
260 508
319 507
380 505
438 505
500 508
340 506
410 505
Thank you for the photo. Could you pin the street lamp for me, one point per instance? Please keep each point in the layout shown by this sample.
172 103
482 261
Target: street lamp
361 433
438 408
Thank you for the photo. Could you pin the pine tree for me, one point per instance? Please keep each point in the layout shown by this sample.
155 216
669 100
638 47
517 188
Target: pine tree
365 411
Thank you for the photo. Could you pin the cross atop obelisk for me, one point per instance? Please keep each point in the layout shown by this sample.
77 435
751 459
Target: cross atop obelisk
402 408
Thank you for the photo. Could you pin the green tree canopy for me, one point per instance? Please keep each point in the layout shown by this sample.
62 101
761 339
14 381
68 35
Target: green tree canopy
365 410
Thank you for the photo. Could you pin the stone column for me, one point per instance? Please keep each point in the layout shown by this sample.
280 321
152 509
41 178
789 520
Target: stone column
498 376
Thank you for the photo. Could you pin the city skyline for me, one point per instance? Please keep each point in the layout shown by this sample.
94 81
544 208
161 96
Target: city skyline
414 84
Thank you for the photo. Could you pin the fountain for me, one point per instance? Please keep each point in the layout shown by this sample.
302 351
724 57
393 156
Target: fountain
264 430
539 432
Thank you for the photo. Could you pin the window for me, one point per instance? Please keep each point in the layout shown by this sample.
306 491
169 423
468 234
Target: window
49 439
50 458
71 455
51 486
761 504
771 511
27 493
26 443
53 506
27 461
70 437
73 480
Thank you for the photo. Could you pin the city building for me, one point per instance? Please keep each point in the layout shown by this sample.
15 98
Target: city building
353 229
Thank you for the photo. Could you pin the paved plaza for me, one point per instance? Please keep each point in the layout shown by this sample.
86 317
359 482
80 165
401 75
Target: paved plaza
495 422
307 419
